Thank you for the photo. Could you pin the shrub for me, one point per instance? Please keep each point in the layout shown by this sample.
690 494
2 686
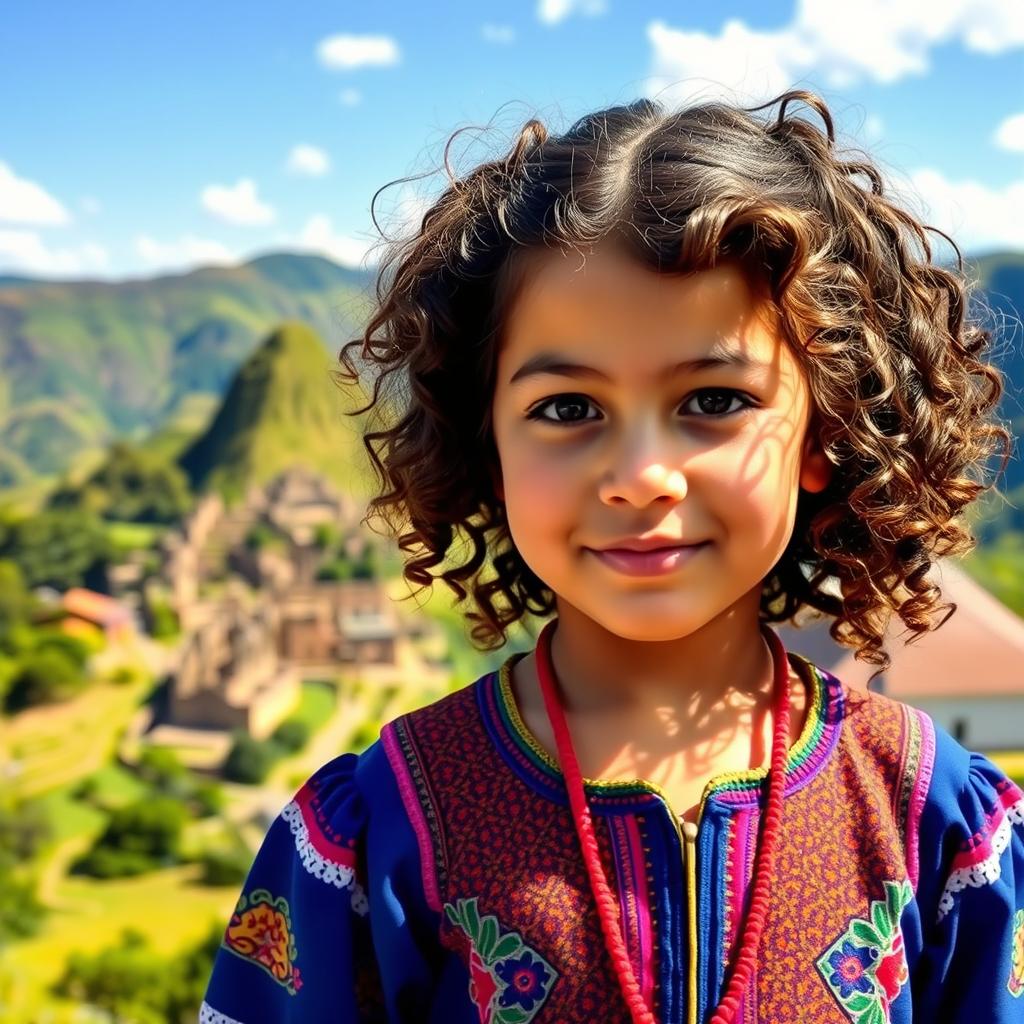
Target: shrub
104 862
249 760
292 734
140 837
224 868
207 799
163 620
46 676
132 983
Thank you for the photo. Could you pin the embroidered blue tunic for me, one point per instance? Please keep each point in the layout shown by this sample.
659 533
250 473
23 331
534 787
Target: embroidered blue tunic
436 877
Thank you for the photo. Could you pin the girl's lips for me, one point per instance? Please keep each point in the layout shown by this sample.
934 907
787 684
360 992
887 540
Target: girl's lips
648 563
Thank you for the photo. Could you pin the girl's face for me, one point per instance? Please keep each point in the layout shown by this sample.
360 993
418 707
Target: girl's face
614 443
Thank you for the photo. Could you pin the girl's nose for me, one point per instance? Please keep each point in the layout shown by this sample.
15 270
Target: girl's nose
644 471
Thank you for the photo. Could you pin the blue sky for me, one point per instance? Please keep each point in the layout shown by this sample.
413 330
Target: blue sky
140 138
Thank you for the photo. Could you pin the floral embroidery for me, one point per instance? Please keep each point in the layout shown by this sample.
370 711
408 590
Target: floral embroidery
508 981
1015 983
851 968
260 931
866 968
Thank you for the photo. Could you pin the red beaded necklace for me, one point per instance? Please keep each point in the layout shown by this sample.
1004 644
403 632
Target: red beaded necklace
764 860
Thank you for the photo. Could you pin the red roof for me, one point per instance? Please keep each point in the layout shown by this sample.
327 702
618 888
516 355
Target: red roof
977 652
94 607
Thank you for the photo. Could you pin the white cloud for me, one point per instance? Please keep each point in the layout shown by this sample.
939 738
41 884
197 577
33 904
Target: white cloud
553 11
319 235
740 64
308 160
26 252
1010 134
183 254
502 34
347 51
976 216
350 97
24 202
874 40
236 204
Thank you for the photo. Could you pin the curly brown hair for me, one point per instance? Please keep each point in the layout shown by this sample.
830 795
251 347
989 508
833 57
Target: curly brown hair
901 399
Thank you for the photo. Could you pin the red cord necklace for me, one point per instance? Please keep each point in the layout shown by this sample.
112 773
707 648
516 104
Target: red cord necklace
763 863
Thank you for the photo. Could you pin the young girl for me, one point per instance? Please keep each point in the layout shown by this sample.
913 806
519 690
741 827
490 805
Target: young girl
675 376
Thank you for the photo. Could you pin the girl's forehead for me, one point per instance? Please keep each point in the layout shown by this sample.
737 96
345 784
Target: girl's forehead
605 296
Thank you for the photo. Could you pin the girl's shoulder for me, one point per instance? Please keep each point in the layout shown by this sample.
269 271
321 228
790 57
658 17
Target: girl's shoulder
950 781
345 793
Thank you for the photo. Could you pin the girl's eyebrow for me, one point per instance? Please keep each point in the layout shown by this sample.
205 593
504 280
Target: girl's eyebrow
554 363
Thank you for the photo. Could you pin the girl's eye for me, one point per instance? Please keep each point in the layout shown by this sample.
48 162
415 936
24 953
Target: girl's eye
575 403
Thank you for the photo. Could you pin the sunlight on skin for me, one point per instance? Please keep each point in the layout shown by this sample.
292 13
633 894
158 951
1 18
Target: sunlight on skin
672 657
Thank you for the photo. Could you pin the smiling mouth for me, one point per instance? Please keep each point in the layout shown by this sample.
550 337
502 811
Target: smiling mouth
656 562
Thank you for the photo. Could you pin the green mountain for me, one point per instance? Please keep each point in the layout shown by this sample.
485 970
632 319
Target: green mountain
84 362
282 408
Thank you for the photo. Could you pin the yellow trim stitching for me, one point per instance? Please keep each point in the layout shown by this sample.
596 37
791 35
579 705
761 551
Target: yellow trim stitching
816 687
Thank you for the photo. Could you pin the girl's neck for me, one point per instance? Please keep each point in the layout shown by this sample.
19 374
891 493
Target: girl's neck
659 731
725 664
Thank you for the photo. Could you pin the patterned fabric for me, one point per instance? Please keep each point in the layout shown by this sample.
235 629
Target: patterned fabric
979 860
491 820
1015 982
436 877
866 967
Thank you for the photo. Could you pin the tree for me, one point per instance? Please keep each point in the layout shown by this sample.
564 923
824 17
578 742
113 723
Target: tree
139 837
24 828
16 602
62 548
163 770
132 485
46 676
135 984
249 760
292 734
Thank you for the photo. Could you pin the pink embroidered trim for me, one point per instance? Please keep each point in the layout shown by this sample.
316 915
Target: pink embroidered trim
337 867
636 851
331 845
415 814
919 795
745 827
977 863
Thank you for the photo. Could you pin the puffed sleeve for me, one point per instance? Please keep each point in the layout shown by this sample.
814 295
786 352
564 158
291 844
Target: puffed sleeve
971 892
319 933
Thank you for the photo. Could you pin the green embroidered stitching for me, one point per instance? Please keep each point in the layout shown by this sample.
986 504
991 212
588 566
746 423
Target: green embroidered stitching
509 982
260 932
865 968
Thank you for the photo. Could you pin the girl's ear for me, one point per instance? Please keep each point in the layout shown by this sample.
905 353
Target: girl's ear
815 469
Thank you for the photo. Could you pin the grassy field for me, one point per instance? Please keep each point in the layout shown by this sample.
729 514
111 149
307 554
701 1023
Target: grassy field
317 704
60 743
172 910
66 744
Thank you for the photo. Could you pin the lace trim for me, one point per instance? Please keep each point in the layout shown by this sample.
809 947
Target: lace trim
340 875
988 870
208 1015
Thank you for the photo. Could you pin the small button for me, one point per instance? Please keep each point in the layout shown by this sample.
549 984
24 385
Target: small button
689 829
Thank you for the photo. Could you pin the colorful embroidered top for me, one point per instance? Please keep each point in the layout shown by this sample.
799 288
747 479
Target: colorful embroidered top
437 877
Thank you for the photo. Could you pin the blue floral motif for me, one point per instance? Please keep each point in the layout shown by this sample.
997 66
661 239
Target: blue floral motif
850 964
526 980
